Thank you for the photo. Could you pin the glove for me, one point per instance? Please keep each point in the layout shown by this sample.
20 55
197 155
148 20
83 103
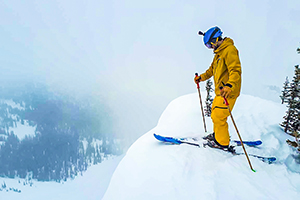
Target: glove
197 79
225 91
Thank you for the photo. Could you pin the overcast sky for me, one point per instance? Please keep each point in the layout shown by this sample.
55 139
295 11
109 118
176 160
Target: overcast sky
140 55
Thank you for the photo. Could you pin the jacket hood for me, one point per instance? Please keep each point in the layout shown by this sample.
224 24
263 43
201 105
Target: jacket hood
226 42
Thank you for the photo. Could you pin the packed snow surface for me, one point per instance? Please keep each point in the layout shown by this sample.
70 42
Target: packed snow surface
155 170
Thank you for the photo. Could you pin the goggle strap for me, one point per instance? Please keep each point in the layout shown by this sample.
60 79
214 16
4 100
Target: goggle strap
213 33
215 42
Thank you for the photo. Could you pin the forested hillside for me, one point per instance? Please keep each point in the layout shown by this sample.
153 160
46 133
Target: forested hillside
68 134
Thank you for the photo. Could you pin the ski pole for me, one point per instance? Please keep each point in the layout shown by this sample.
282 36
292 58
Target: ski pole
227 104
198 87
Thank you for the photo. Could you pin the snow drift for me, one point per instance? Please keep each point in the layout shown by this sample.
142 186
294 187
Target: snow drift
154 170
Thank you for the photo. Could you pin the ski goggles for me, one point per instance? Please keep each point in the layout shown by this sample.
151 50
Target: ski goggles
211 43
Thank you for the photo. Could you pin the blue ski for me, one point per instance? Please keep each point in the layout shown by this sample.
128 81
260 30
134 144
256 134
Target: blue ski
238 143
249 143
173 140
184 140
269 160
178 141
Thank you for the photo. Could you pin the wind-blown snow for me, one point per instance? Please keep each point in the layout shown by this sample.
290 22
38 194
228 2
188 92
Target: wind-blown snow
154 170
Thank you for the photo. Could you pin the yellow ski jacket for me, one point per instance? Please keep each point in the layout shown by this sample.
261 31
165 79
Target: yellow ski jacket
226 68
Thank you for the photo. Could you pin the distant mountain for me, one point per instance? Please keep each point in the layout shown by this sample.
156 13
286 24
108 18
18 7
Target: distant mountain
51 135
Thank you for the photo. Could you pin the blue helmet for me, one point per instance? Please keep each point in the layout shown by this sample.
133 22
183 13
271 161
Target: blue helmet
210 35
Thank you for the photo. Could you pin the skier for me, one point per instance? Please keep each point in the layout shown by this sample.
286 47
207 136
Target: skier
226 69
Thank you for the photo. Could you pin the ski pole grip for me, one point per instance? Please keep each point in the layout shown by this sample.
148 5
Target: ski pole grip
225 100
196 75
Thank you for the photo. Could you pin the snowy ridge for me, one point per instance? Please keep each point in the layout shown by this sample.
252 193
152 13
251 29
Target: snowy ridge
153 170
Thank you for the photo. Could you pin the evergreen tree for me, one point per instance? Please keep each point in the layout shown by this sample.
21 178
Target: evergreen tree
9 157
90 152
291 119
296 143
285 91
209 99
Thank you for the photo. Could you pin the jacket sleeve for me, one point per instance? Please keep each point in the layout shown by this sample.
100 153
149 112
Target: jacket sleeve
207 74
234 68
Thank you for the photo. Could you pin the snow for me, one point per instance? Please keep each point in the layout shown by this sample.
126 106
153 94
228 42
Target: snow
91 186
11 103
19 129
22 130
154 170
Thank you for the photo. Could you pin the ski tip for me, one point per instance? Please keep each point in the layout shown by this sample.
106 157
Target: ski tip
167 139
253 170
157 136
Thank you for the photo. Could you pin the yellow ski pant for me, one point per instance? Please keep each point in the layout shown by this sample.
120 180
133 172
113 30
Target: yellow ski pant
219 117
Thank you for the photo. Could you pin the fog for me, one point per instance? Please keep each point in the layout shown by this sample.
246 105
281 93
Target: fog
137 56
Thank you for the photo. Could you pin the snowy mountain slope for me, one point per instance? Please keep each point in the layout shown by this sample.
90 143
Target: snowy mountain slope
91 186
20 129
153 170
